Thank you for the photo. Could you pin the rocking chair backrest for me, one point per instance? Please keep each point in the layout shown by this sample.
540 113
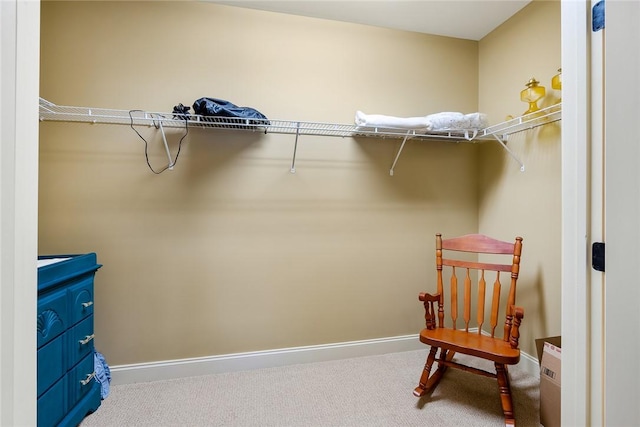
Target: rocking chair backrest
448 255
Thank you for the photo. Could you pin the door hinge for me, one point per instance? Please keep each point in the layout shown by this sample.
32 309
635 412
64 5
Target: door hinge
597 256
597 16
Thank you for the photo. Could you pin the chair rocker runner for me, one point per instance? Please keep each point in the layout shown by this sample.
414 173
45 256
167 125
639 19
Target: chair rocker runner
502 351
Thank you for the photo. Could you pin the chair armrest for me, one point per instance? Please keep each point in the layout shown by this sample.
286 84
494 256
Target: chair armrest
429 309
518 315
428 297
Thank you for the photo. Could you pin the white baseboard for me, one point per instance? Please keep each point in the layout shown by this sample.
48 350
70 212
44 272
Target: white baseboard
154 371
529 364
171 369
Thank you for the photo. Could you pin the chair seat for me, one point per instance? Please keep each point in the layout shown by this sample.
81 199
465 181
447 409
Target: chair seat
460 341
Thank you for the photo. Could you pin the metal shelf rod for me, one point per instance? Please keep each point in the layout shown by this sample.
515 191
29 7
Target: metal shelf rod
398 155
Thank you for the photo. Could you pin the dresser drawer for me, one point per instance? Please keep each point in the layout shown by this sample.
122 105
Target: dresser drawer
80 339
66 387
53 318
52 363
81 379
53 405
81 300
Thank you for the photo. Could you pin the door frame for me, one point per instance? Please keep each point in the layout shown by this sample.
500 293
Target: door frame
19 87
575 277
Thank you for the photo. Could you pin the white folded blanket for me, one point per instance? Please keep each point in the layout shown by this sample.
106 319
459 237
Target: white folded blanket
433 122
379 120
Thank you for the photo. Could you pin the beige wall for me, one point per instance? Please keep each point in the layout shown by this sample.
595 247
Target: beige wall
525 203
230 252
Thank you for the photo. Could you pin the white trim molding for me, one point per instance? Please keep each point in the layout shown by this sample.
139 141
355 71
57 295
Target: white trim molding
575 280
19 77
172 369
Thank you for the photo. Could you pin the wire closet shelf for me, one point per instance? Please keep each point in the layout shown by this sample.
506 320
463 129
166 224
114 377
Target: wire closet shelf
500 132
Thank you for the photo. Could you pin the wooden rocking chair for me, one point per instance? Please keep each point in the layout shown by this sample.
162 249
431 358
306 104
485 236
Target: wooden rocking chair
502 351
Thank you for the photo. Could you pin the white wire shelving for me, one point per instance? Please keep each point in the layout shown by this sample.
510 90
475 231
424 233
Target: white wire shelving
500 132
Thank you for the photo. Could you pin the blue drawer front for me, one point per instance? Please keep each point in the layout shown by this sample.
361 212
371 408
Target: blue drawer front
52 406
89 403
81 379
52 363
81 341
53 316
81 300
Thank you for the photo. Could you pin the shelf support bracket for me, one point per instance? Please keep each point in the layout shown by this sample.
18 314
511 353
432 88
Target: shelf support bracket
398 155
511 153
295 148
166 146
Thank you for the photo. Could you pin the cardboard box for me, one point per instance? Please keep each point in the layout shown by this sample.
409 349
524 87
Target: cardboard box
550 356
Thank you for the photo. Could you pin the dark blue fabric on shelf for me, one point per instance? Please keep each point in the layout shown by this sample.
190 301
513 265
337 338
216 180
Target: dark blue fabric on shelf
222 108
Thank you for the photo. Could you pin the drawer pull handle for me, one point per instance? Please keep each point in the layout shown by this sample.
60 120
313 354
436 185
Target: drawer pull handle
87 339
88 379
87 304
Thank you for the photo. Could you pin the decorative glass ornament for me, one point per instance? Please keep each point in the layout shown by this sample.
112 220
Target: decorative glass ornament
532 95
556 83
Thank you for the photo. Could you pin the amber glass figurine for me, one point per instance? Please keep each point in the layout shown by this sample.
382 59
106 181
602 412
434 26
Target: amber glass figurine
532 95
556 83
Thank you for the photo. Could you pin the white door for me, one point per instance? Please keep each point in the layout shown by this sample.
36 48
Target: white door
622 214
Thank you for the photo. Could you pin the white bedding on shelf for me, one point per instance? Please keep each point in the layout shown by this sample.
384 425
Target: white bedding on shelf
438 122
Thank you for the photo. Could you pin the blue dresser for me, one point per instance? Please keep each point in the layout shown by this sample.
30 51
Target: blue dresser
67 388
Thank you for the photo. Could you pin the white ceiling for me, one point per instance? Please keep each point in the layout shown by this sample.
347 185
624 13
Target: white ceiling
465 19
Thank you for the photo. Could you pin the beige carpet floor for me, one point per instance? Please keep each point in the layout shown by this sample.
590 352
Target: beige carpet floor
366 391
